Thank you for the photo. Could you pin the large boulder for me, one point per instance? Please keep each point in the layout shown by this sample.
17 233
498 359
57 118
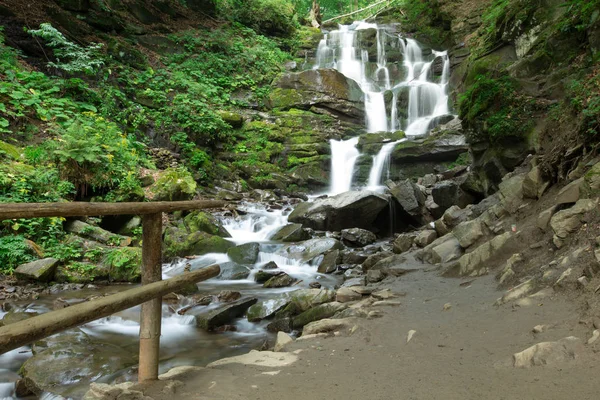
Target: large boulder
316 313
178 242
403 243
329 262
442 250
356 237
173 184
568 221
291 233
468 232
280 280
326 88
304 299
534 184
310 249
357 209
39 270
222 315
478 261
511 193
246 253
205 222
447 194
409 196
267 308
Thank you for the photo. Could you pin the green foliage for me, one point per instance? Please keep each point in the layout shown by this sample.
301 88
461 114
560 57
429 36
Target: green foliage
124 263
495 110
70 57
175 184
269 17
580 14
584 95
92 151
13 252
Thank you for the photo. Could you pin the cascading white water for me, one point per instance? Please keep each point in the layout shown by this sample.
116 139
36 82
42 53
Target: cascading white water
256 226
341 50
380 162
343 158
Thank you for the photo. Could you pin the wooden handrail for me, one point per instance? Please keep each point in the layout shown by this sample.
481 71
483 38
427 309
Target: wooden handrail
24 332
83 209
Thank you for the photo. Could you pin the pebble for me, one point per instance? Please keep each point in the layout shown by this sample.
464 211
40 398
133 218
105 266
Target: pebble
539 328
410 335
594 337
447 306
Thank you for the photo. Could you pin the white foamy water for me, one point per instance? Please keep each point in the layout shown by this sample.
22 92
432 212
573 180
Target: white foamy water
380 164
258 225
343 158
341 49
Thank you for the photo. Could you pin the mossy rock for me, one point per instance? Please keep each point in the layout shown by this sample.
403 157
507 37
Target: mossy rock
316 313
174 184
308 37
179 243
245 253
9 150
233 119
204 222
124 264
81 272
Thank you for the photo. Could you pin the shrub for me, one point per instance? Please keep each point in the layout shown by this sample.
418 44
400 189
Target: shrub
269 17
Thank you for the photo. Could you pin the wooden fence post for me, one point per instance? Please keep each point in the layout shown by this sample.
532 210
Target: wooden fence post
150 318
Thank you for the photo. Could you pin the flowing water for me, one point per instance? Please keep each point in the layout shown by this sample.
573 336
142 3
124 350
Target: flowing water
424 95
182 343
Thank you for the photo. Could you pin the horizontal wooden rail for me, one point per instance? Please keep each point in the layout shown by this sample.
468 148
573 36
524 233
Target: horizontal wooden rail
24 332
83 209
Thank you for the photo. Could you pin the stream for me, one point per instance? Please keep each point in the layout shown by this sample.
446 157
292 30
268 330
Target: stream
182 343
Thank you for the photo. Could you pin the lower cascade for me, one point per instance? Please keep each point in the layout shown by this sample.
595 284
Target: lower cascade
408 98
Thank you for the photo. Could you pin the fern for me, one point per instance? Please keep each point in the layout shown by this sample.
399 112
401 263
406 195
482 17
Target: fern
70 57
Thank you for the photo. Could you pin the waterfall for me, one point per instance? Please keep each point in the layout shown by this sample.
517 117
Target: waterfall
426 100
343 157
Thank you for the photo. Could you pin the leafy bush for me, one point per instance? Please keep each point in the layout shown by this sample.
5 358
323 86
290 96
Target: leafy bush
584 95
13 252
70 57
92 151
269 17
495 110
124 263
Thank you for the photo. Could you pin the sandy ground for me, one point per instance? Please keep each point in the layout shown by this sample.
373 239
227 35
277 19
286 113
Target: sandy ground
464 352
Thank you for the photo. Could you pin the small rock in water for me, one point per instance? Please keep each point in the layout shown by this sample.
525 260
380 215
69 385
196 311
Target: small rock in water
270 265
447 306
226 328
314 285
410 335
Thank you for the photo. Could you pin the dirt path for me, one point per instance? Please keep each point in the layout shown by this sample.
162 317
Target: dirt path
464 352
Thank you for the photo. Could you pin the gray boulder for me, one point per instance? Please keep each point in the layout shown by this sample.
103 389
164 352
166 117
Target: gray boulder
310 249
356 237
291 233
426 237
329 262
39 270
357 209
222 315
403 243
317 313
281 280
245 253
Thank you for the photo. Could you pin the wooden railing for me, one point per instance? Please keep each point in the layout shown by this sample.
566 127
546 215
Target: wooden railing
149 294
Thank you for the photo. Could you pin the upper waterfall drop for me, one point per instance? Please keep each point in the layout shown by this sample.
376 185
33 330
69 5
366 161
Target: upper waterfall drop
407 96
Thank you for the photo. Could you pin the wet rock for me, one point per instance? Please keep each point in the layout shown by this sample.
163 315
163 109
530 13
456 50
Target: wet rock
226 296
178 242
304 299
283 339
83 362
353 257
374 259
263 276
358 281
267 308
316 313
314 285
310 249
244 254
426 237
233 271
15 316
409 196
281 280
549 353
356 237
270 265
280 325
39 270
403 243
446 194
205 222
356 209
329 262
222 315
291 233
